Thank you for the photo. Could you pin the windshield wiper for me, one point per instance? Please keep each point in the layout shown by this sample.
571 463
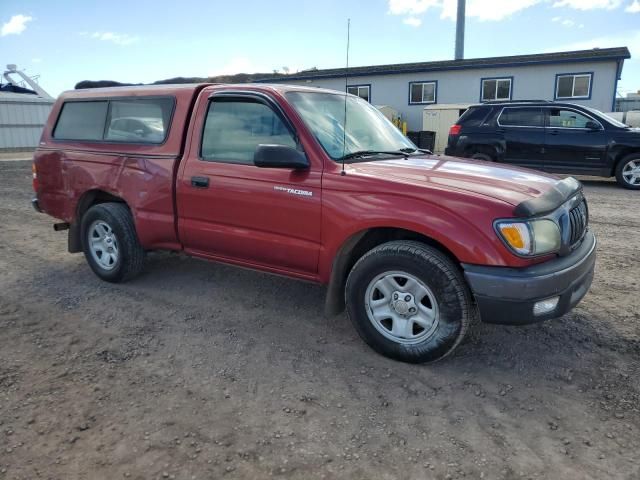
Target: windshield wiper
370 153
416 150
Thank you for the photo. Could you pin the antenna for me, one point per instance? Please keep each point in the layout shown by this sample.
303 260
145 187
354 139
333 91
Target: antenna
346 93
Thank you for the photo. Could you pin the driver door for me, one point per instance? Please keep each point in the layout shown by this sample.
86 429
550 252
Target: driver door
574 142
232 210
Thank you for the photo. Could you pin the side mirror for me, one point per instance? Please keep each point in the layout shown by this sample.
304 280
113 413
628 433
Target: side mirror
591 125
280 156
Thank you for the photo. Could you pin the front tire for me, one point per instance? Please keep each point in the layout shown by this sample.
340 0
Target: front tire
110 243
628 172
409 302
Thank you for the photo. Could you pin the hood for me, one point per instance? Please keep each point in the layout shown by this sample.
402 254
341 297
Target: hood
512 185
631 133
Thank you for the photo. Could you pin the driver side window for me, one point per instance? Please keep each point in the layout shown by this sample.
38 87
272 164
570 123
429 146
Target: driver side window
235 127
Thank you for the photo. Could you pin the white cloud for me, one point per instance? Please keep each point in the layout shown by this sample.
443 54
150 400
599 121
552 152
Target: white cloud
487 10
235 65
16 25
496 10
242 65
411 7
634 7
117 38
589 4
36 60
566 22
629 39
483 10
413 21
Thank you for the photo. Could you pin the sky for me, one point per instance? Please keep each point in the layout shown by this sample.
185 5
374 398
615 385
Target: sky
66 41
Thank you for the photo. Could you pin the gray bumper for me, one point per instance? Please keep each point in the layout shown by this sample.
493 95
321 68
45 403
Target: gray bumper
507 295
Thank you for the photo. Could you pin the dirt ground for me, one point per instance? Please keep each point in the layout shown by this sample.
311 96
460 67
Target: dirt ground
202 371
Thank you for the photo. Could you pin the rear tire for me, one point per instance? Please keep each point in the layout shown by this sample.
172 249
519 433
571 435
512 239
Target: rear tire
110 243
482 156
628 172
409 302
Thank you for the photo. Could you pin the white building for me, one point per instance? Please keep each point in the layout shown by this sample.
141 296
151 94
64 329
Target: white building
24 108
587 77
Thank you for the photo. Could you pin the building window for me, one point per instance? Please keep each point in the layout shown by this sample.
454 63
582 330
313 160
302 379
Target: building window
362 91
495 89
422 92
574 85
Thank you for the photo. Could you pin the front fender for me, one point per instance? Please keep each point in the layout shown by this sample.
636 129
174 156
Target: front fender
463 225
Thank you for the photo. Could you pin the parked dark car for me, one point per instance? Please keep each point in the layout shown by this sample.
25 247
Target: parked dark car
550 136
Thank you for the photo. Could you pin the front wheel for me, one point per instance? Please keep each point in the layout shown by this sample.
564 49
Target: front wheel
409 301
110 242
628 172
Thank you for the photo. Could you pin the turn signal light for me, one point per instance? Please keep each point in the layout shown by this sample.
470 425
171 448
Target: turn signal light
455 129
517 236
532 237
35 177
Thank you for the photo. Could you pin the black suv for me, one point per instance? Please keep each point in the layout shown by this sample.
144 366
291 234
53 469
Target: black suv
551 136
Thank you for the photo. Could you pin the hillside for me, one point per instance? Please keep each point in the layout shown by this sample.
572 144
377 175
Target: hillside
237 78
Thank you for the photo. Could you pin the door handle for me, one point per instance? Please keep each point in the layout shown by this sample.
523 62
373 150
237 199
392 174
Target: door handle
553 132
200 182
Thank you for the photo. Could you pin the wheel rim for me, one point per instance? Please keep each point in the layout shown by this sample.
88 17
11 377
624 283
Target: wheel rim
401 307
103 245
631 172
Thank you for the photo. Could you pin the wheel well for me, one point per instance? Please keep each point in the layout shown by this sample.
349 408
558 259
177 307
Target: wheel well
88 200
491 151
623 153
359 244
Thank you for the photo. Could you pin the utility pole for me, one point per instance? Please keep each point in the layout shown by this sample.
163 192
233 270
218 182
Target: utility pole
460 30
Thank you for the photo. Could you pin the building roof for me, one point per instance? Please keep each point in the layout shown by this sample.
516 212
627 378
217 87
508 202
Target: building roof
23 98
594 55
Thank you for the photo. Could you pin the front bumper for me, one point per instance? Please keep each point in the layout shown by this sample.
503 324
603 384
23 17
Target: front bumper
507 295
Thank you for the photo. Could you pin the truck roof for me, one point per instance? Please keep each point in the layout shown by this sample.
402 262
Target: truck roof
168 89
134 90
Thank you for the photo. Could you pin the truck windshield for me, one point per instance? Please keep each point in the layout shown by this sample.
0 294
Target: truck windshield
367 130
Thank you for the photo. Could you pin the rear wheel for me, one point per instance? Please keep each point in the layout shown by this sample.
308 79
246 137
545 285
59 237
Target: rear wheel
409 302
628 172
482 156
110 242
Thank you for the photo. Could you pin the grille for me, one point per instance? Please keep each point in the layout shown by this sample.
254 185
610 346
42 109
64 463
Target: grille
578 221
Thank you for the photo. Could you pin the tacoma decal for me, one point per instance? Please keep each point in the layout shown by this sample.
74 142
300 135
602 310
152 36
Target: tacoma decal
294 191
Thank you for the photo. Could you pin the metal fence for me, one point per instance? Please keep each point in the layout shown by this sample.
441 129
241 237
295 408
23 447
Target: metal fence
21 121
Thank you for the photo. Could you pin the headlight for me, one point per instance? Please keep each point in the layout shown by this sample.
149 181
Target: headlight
535 237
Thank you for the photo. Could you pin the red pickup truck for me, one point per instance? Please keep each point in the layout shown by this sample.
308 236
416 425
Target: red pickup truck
316 185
